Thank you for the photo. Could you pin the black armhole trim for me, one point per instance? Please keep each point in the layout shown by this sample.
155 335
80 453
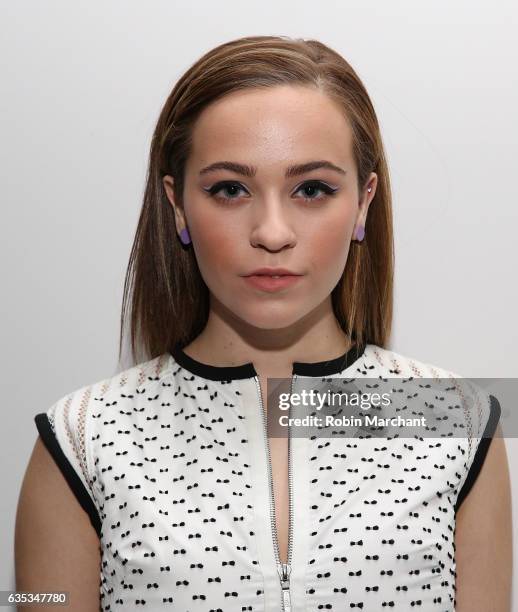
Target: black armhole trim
76 484
481 451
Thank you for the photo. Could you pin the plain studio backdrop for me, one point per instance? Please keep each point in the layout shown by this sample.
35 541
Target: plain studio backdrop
82 84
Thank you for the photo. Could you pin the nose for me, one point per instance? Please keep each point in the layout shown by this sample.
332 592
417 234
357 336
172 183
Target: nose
271 226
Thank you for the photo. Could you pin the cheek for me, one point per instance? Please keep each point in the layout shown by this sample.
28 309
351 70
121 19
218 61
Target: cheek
214 241
329 244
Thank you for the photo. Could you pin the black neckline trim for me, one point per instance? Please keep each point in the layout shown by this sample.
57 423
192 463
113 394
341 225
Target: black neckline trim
247 370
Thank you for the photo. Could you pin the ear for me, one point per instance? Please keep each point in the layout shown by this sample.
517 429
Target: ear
366 198
179 213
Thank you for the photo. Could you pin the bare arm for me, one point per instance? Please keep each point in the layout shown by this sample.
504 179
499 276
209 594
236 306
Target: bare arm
483 537
56 546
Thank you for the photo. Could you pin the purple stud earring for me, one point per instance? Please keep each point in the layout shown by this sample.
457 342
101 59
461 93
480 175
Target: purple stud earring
360 233
185 236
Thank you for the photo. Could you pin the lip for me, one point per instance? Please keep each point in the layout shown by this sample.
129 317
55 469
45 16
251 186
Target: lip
272 272
269 284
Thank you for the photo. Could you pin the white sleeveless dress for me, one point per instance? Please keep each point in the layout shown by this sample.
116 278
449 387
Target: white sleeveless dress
170 459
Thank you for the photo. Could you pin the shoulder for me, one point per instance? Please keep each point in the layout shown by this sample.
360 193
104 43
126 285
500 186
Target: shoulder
69 410
477 409
67 427
484 408
401 364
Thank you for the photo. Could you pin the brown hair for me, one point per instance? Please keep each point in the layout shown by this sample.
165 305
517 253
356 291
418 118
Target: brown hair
169 299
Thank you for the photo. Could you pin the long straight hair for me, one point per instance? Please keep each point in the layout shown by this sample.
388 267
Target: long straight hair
169 298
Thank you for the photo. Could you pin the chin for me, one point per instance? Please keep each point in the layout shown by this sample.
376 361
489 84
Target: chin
268 317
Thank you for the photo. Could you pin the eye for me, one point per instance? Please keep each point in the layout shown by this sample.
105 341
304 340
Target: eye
312 186
228 187
232 190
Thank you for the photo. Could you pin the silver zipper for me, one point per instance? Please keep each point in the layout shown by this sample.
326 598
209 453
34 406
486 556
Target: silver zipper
284 569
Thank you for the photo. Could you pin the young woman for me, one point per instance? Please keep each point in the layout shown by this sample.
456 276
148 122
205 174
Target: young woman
263 250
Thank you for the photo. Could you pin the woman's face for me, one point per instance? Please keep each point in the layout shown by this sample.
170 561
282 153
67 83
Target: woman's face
258 213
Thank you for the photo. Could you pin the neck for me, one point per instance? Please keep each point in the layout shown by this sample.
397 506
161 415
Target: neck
226 341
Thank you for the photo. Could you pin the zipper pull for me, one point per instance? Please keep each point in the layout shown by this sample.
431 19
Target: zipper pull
284 570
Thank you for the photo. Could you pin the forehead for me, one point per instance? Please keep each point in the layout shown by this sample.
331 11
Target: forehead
271 125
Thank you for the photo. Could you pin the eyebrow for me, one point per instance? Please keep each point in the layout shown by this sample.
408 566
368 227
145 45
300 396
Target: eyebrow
250 171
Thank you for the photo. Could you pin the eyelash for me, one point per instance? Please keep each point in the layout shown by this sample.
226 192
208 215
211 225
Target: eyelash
329 191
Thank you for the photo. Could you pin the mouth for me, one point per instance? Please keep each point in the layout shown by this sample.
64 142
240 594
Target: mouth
273 272
273 275
272 282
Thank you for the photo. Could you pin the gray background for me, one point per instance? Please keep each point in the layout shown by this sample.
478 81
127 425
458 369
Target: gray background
82 84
